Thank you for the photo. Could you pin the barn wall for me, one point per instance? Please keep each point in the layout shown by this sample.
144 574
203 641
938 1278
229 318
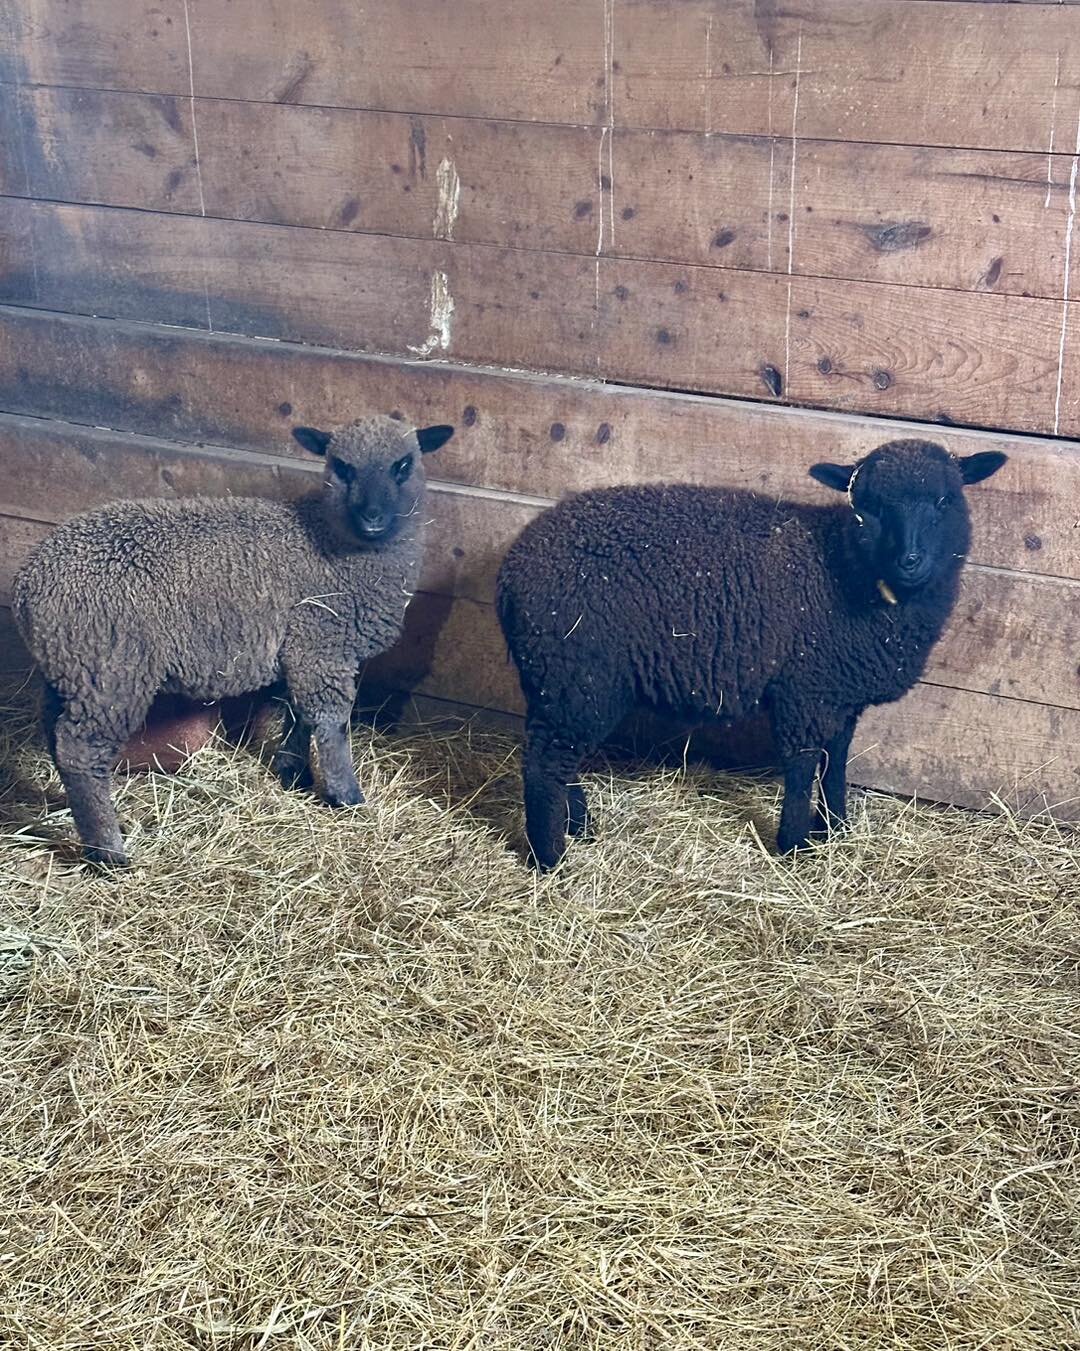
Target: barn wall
609 239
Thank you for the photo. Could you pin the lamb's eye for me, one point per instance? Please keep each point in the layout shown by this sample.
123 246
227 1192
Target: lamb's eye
401 469
343 470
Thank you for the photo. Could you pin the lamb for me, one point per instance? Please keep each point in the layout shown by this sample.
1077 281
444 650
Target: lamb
709 605
210 598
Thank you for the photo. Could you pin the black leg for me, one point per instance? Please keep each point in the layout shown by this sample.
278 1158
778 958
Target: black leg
51 708
577 811
832 800
292 759
799 772
551 761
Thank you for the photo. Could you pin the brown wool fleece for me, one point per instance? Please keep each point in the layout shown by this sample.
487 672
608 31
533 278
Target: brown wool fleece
215 597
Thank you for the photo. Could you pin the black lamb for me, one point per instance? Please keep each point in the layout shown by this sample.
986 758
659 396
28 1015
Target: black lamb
708 605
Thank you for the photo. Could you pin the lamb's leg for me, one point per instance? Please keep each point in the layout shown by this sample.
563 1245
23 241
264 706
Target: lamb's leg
322 696
799 771
832 799
51 708
577 811
292 759
550 763
85 764
340 787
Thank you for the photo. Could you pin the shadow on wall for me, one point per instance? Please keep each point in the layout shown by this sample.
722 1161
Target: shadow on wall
107 292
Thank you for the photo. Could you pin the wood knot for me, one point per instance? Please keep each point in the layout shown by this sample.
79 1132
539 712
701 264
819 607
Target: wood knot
897 235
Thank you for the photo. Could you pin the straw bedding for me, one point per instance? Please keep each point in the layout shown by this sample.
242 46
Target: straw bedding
361 1080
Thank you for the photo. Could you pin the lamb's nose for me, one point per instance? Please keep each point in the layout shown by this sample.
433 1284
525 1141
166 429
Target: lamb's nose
911 562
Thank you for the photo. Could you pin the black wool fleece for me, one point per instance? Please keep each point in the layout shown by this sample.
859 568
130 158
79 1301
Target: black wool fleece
708 604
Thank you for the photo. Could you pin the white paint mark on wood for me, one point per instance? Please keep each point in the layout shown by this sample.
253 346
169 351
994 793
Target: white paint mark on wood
1053 120
442 315
604 134
448 186
708 72
794 154
195 148
1065 281
194 123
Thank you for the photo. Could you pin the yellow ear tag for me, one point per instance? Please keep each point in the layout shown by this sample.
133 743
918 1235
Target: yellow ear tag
886 590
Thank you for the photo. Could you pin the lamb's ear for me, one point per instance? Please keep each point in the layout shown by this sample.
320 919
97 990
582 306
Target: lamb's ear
974 468
836 476
312 439
431 438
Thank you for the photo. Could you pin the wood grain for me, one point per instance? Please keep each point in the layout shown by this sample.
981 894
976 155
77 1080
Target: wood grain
908 351
84 145
475 180
974 750
979 359
528 61
1012 634
1005 75
968 220
952 74
17 538
368 292
965 220
516 432
109 44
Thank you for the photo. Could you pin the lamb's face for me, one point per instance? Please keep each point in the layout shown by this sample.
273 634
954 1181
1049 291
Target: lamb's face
374 477
908 502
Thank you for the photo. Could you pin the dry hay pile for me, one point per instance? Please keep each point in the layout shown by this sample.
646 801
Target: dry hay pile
362 1081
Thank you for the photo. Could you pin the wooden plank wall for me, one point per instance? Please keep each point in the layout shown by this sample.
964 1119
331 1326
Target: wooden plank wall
611 239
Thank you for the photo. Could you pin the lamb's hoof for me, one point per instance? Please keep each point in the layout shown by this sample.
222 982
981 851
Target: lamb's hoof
578 821
790 848
824 831
347 797
545 860
104 859
579 828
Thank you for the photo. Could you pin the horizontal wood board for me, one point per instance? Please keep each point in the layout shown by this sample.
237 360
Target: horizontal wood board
948 73
958 219
520 433
976 359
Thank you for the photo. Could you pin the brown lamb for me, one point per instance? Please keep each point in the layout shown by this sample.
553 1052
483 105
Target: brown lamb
210 598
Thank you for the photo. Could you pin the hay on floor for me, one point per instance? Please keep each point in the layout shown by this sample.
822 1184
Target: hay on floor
360 1080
